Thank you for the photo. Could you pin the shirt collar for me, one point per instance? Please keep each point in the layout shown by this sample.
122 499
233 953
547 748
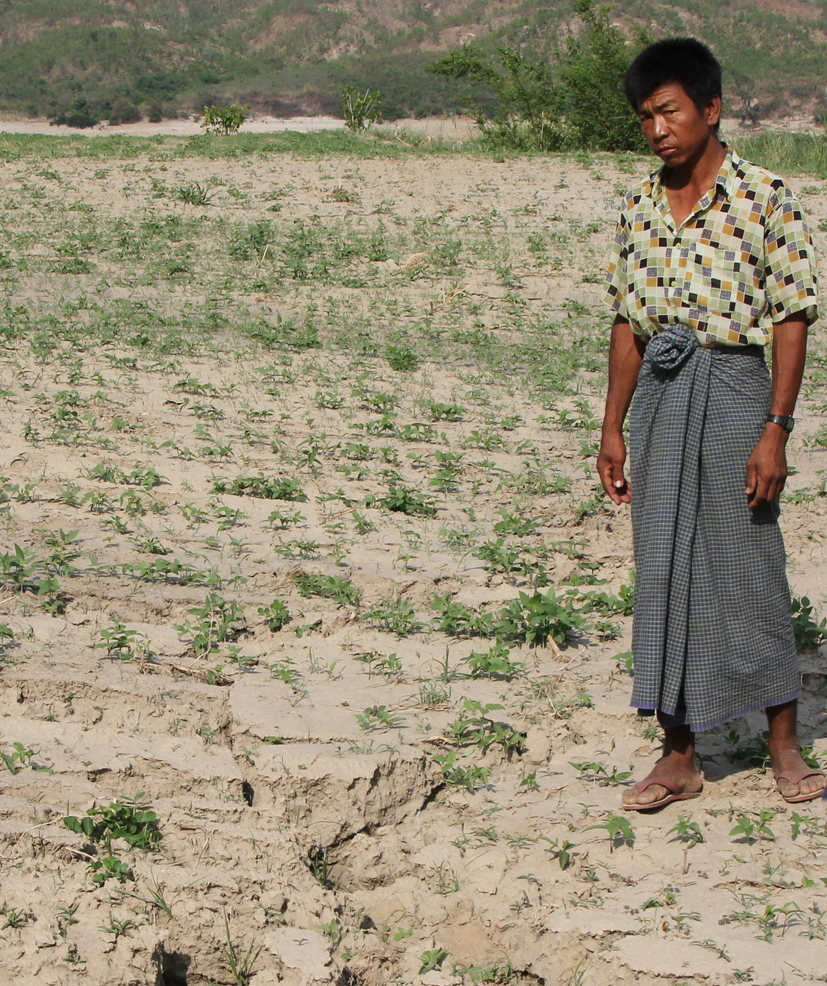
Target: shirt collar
725 180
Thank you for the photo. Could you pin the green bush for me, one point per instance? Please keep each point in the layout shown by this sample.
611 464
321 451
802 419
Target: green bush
124 112
584 107
528 106
360 109
592 71
224 120
78 114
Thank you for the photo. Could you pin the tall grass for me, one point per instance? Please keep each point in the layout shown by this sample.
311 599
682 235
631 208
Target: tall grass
786 153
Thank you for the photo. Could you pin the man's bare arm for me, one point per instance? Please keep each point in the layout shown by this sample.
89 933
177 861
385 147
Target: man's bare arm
766 471
625 357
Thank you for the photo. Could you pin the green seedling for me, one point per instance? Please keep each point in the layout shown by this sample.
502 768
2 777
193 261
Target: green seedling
335 587
396 616
408 501
617 827
689 833
128 819
278 519
121 643
561 851
808 632
598 773
494 663
260 487
276 615
474 727
748 829
240 965
20 756
378 717
13 918
216 621
454 773
459 621
536 619
432 959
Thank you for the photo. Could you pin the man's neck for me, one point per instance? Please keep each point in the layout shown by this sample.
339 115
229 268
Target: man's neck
697 175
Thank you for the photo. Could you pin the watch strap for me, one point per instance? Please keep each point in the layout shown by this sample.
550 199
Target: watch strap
785 420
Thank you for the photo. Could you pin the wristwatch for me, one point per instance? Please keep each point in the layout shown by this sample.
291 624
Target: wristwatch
785 420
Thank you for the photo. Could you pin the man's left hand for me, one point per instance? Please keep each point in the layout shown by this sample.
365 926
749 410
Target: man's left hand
767 468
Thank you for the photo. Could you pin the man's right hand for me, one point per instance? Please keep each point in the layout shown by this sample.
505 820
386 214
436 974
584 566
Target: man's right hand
610 462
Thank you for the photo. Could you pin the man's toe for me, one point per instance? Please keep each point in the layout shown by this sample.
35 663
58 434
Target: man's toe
648 796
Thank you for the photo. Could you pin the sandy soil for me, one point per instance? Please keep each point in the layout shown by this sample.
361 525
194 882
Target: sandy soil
454 128
368 794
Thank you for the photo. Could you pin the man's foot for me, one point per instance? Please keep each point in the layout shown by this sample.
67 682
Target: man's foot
796 781
674 778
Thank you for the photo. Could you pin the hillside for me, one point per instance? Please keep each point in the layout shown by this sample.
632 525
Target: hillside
294 56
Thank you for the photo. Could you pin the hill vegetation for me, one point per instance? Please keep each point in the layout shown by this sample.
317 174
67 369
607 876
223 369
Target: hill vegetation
123 59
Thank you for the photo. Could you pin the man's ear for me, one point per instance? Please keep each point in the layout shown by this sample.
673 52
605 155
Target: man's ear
713 111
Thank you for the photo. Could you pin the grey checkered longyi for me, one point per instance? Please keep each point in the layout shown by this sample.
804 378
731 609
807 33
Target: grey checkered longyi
712 632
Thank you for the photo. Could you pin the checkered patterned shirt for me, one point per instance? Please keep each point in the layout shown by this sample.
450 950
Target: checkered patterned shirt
742 260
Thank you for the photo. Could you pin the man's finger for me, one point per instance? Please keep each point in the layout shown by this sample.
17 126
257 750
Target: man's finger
751 482
762 491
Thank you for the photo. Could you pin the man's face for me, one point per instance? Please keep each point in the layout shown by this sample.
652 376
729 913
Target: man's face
674 126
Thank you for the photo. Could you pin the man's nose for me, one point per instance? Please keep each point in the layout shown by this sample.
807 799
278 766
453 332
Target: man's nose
659 128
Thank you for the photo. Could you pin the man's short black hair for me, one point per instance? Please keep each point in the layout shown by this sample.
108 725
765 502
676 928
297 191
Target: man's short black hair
683 60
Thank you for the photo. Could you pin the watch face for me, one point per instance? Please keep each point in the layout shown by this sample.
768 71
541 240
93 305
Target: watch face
785 420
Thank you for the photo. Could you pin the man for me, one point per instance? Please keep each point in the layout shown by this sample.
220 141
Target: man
712 262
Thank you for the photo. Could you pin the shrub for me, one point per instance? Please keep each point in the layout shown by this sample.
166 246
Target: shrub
78 114
584 108
593 67
124 112
359 109
224 120
528 107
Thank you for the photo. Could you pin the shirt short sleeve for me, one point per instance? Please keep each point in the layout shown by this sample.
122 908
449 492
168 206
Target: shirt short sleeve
616 280
791 281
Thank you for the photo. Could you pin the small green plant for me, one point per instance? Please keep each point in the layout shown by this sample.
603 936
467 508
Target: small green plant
216 621
223 120
128 819
13 918
494 663
193 193
260 487
617 827
360 109
748 828
808 632
401 359
405 500
432 959
20 756
561 851
276 615
241 966
441 411
396 616
378 717
458 620
474 727
598 773
336 587
455 773
536 619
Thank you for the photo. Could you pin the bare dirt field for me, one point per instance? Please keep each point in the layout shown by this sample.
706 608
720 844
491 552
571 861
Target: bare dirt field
314 622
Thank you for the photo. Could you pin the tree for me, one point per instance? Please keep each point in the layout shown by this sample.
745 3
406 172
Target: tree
528 105
360 109
224 120
592 69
